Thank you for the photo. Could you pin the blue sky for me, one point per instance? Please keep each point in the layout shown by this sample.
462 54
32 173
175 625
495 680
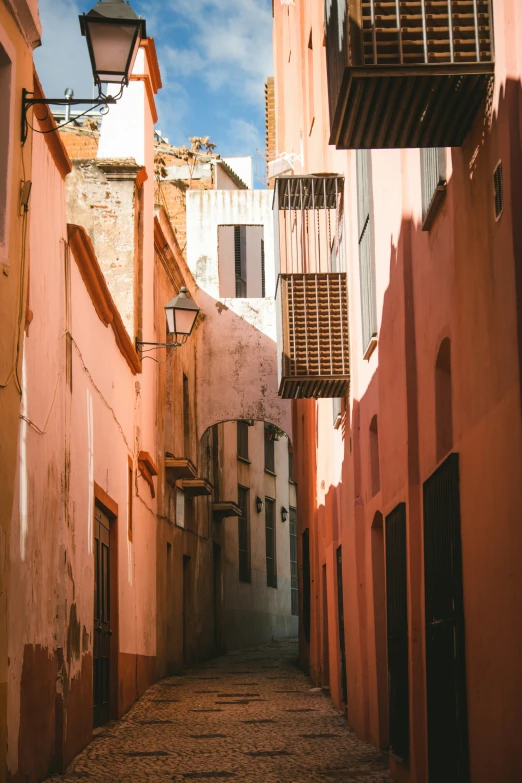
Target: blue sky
214 58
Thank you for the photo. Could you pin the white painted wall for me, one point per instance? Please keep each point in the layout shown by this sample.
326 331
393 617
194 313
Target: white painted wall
243 167
237 344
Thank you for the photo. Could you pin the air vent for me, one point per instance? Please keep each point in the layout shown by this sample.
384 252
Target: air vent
498 190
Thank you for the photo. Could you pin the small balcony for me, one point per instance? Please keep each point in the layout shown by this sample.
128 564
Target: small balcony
312 289
406 73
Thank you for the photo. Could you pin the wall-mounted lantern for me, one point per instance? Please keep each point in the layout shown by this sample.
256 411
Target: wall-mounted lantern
260 504
181 313
114 33
284 513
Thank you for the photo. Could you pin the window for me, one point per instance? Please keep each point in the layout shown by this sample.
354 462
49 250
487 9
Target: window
270 533
5 118
263 278
290 463
242 440
433 183
186 417
269 452
443 400
243 497
366 251
241 257
293 562
375 470
311 107
498 191
337 412
180 508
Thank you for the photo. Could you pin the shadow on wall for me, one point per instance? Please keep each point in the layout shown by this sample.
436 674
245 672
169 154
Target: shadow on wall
448 379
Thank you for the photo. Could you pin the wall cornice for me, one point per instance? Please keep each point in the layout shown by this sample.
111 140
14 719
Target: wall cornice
96 285
49 127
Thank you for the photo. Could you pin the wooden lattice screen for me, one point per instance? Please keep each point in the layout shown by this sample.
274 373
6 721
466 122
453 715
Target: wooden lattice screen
426 31
315 328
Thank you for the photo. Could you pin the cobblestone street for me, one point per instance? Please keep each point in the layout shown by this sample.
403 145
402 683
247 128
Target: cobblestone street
249 716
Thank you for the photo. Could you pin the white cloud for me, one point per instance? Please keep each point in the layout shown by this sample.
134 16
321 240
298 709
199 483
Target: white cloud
243 138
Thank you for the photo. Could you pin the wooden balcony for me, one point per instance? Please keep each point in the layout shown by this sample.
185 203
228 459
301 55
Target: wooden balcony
312 288
406 73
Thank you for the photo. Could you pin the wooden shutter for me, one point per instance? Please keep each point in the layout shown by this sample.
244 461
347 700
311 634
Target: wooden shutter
366 247
263 281
243 534
294 583
240 260
315 327
270 534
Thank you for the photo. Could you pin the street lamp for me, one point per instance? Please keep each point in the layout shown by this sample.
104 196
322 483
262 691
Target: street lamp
181 313
259 505
114 33
284 513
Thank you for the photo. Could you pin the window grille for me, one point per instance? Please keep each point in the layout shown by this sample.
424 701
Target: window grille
293 562
290 463
366 250
270 533
240 261
337 411
243 496
433 182
498 191
269 452
242 440
186 417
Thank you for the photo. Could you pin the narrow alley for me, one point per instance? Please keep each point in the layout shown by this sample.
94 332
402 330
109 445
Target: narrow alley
247 716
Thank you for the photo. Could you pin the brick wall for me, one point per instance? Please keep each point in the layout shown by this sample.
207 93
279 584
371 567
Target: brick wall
270 128
80 142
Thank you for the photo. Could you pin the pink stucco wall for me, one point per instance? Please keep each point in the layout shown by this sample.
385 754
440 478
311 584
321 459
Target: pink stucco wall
459 281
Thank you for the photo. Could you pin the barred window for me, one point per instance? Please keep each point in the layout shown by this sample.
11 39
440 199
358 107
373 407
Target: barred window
293 561
242 440
269 452
433 182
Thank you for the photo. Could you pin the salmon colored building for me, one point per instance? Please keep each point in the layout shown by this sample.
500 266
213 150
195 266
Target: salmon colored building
409 490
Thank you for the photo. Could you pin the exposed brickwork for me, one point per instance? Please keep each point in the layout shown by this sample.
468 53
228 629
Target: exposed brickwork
247 717
79 142
270 128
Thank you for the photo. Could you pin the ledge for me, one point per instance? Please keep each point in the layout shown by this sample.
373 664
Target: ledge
179 468
148 469
196 487
225 508
96 285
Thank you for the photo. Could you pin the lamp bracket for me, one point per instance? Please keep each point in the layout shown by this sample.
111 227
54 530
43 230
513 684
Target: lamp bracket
29 102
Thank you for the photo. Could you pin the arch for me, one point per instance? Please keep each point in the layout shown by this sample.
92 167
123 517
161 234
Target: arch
443 400
375 468
379 617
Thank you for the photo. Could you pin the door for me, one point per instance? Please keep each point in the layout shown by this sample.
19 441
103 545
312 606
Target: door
186 608
445 653
217 596
306 585
325 668
102 618
340 610
397 632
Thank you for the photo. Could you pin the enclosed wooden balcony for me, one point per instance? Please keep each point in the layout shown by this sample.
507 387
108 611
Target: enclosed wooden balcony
312 289
406 73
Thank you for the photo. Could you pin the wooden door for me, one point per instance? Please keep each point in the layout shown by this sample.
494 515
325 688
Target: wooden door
448 758
397 627
102 618
340 609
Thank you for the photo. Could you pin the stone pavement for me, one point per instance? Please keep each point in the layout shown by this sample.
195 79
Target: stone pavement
248 717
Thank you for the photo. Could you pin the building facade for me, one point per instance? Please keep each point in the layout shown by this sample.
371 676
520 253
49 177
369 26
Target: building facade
408 485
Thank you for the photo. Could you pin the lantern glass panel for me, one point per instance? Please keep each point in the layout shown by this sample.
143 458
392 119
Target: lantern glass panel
114 48
185 321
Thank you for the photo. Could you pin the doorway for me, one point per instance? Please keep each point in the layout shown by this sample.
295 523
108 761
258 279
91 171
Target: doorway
448 758
340 610
186 608
217 597
325 653
102 618
397 628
